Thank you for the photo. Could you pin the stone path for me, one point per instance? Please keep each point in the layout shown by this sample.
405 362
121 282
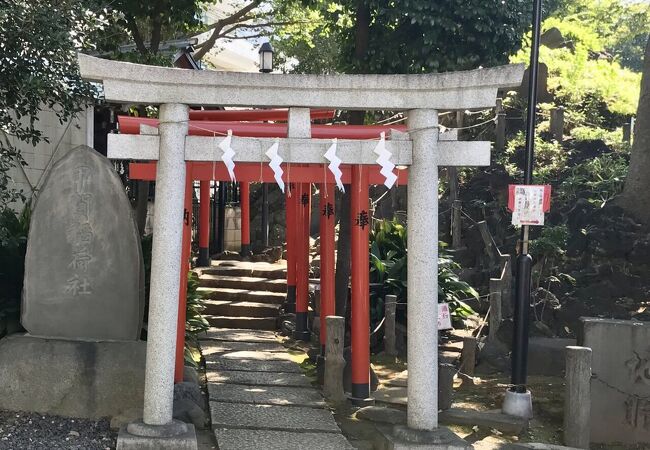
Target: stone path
259 397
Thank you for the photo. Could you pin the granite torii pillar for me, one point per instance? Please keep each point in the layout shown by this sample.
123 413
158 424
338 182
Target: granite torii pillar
420 95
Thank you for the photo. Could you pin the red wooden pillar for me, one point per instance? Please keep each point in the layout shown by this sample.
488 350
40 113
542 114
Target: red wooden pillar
185 267
327 290
204 225
302 261
244 201
360 320
290 197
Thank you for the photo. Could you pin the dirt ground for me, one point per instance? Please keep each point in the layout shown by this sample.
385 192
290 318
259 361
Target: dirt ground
486 393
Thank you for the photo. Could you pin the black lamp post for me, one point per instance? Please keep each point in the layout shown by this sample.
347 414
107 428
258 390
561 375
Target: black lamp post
518 400
266 57
266 66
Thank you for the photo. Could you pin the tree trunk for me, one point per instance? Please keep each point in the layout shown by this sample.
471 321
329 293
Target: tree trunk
636 194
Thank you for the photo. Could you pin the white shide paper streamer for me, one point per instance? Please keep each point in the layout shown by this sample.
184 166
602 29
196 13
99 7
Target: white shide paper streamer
227 155
276 161
334 164
383 160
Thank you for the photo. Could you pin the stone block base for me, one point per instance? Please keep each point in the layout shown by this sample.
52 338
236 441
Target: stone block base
139 436
88 379
402 438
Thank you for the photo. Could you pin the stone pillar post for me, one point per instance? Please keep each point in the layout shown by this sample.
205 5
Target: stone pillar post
422 262
577 399
390 307
165 266
334 361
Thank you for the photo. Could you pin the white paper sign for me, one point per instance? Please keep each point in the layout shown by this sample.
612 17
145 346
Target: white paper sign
528 205
444 317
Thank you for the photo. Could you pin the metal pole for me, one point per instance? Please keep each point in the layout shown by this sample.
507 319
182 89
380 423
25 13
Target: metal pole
524 261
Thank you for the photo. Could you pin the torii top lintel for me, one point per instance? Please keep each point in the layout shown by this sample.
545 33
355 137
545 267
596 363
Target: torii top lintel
135 83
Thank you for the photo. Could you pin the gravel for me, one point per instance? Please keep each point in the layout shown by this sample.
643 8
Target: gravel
31 431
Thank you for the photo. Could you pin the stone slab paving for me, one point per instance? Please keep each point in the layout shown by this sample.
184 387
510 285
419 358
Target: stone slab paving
252 365
224 347
249 355
258 378
221 347
280 418
260 398
265 395
241 439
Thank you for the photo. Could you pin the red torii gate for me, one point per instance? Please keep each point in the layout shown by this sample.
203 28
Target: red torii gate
298 179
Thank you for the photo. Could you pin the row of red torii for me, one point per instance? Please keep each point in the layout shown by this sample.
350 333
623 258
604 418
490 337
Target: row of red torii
184 150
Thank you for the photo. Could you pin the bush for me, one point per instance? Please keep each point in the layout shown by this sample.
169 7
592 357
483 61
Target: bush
598 179
388 254
13 245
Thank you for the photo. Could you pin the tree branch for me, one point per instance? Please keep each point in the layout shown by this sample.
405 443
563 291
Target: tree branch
221 24
156 31
135 31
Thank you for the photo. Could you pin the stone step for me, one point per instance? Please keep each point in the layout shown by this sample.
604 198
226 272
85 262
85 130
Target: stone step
253 323
251 271
240 309
248 283
243 295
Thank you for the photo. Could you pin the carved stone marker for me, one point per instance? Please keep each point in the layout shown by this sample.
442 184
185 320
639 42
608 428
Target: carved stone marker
83 268
620 386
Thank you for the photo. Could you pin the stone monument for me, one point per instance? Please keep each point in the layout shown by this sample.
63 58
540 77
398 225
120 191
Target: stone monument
620 386
83 268
83 299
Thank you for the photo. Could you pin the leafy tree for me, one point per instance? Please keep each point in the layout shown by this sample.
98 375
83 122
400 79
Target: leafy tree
39 42
415 36
621 27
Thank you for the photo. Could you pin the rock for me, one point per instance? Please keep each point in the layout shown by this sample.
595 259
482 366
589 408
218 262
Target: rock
189 404
189 391
191 375
189 412
74 433
84 273
487 419
382 414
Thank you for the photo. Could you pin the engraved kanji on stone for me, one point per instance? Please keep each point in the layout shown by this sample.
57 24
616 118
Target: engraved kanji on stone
328 210
637 412
77 286
639 369
362 219
81 179
80 260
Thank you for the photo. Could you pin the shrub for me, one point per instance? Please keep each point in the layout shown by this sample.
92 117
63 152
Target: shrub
388 254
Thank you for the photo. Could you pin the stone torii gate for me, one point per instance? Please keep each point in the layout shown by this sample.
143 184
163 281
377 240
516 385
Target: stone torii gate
174 89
